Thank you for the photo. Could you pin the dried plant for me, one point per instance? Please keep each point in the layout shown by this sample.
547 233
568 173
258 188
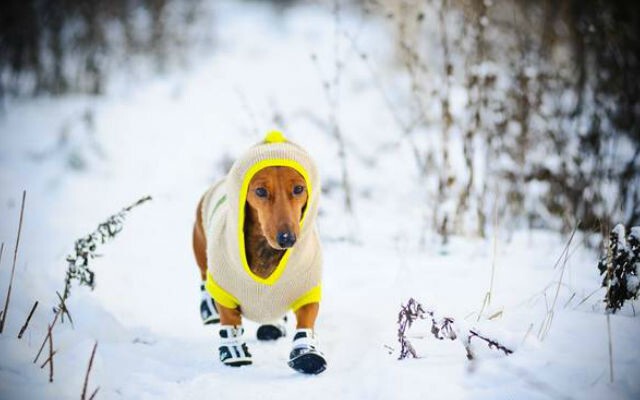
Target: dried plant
441 328
86 250
407 315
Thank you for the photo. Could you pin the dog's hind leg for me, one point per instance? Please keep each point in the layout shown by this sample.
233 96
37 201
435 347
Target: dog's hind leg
208 310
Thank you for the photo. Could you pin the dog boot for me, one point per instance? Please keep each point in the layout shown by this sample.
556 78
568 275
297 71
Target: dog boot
305 357
233 350
208 310
272 331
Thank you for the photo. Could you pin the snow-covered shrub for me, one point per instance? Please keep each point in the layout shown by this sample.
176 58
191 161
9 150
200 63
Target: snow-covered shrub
620 267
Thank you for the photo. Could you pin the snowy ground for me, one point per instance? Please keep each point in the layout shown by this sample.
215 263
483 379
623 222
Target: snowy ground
81 159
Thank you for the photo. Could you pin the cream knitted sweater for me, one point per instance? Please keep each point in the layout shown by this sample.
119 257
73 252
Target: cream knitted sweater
296 280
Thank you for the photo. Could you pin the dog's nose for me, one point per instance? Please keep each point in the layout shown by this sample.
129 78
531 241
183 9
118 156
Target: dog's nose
286 239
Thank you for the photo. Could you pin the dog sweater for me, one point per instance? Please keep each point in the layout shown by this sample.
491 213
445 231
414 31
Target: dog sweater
296 280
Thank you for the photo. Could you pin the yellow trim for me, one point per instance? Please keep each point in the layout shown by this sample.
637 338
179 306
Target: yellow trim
273 162
312 296
219 294
275 137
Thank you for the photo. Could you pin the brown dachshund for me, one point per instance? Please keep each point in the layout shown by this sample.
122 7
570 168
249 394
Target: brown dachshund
273 211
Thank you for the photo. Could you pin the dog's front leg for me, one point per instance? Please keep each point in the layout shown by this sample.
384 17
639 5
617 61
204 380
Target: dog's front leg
306 316
229 316
233 349
305 356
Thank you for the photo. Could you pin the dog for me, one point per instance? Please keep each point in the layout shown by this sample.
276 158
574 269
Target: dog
258 251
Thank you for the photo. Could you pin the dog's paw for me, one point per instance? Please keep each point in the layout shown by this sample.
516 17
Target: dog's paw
271 332
233 350
208 310
305 357
235 355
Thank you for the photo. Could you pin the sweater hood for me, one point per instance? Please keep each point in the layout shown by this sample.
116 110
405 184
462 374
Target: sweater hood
274 150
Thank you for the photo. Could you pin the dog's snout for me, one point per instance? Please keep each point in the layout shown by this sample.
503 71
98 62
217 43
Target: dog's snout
286 239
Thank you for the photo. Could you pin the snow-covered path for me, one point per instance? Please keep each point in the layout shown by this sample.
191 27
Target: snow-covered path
82 159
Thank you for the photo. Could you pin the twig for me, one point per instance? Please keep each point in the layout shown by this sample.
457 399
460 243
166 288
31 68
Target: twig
1 251
51 353
13 267
55 319
26 323
64 309
610 349
95 392
44 364
490 342
86 377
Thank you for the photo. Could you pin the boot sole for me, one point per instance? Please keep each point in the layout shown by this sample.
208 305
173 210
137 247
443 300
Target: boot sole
309 363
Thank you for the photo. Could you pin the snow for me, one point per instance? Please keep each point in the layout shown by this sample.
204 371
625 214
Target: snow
171 136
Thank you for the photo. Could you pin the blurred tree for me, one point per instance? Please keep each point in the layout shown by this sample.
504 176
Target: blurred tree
60 46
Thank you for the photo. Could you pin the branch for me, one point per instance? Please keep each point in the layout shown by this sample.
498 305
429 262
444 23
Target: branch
26 323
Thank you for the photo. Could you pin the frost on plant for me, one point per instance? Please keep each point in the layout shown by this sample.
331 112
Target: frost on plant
441 328
85 250
620 267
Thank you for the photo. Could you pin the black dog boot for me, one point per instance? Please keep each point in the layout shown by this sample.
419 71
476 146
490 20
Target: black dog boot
208 310
233 350
272 331
305 357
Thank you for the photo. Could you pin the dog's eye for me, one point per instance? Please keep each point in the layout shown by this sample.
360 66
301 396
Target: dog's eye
298 189
261 192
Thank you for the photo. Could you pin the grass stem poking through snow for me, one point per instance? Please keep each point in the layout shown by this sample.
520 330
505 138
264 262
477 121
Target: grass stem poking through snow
13 267
26 323
610 348
564 255
86 377
85 250
487 297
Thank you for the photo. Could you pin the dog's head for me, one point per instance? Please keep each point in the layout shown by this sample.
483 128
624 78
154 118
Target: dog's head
278 195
